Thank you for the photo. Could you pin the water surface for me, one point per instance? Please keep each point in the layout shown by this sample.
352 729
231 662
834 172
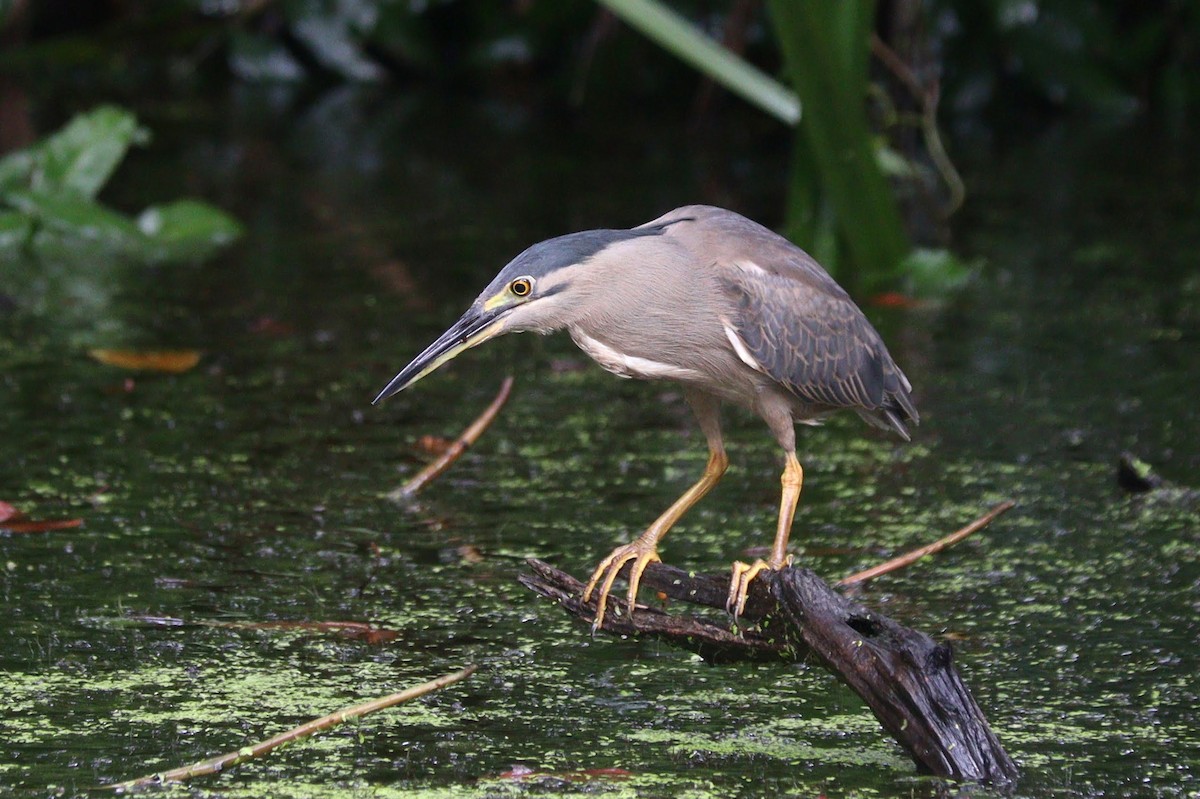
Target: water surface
250 489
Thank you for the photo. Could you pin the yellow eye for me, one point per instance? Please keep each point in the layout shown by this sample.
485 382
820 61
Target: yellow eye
521 287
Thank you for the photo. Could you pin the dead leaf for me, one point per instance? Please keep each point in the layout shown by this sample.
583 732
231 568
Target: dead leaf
893 299
433 445
14 521
171 361
469 553
40 525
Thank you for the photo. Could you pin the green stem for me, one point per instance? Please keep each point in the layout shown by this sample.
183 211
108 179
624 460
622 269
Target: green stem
826 46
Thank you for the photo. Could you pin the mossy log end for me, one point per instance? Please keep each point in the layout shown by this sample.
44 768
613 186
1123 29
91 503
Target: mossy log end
907 679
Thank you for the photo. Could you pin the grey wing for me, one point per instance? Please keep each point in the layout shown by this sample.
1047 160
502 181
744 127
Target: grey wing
818 345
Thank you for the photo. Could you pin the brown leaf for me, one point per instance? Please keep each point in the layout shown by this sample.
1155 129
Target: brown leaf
469 553
893 299
172 361
433 445
42 525
14 521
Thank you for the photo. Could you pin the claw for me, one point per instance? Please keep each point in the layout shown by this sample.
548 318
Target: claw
739 585
641 553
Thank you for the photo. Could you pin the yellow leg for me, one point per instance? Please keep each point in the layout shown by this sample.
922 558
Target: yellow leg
743 573
644 550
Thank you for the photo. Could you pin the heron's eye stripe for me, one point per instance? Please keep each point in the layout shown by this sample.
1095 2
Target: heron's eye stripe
521 287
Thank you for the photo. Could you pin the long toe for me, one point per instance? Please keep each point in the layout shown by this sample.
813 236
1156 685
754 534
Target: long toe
739 584
641 554
635 576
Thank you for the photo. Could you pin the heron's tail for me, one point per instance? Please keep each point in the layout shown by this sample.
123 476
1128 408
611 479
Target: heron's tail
897 410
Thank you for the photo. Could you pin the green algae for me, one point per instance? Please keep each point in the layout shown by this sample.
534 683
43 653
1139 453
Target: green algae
767 742
250 491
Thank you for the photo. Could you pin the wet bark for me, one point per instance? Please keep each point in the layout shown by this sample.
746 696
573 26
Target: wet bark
907 679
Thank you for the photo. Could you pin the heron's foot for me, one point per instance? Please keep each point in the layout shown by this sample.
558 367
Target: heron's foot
743 575
642 552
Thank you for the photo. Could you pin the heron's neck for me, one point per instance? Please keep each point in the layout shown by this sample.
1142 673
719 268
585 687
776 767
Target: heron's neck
628 285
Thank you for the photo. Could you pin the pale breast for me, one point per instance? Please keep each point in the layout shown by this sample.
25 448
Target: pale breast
625 365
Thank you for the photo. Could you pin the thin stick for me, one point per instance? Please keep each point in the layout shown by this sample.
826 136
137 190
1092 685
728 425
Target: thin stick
455 450
936 546
363 631
222 762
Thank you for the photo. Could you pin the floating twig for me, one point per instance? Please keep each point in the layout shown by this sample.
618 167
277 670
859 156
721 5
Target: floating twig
455 450
929 549
358 630
217 764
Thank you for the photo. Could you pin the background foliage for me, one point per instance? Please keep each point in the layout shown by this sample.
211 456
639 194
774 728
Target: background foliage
1122 56
1007 65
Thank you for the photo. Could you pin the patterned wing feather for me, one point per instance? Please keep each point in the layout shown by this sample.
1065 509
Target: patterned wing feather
814 341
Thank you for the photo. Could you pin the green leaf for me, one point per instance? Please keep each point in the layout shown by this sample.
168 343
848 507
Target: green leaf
826 48
80 158
935 273
76 216
187 229
15 229
677 35
15 169
255 57
52 186
893 164
331 34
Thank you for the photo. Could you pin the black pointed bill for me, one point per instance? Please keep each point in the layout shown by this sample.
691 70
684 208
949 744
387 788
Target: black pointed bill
475 327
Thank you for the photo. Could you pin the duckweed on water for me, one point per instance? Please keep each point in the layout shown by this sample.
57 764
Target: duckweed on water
249 490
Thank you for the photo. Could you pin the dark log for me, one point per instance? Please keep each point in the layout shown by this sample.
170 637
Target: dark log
907 679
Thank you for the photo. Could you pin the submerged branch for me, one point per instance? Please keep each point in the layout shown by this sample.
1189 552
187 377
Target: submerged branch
222 762
455 450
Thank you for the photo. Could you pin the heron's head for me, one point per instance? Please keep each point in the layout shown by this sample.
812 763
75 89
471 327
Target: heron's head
542 289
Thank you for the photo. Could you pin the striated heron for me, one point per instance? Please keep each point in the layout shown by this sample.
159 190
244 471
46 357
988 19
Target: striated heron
719 304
